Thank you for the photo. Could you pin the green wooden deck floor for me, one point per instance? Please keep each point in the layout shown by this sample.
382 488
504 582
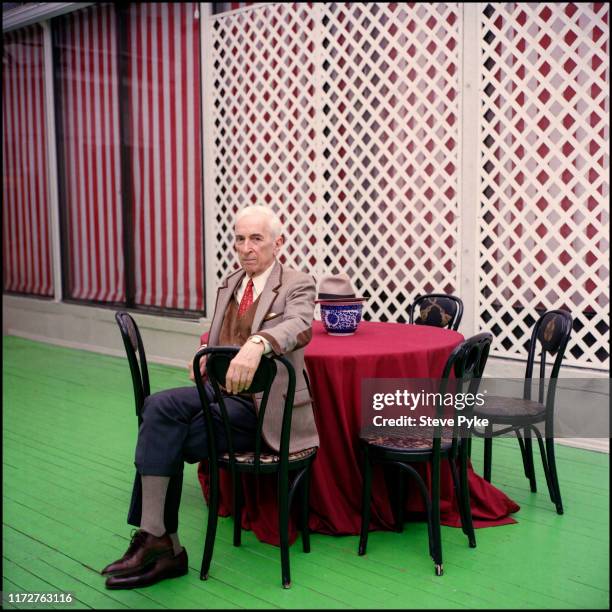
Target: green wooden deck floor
68 433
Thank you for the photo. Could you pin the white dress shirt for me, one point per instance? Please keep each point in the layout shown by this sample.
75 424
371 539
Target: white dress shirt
259 282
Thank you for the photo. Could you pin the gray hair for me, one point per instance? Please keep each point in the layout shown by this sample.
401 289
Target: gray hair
274 224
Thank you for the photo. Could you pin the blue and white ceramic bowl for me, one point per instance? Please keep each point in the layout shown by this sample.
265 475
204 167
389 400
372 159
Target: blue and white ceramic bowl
341 318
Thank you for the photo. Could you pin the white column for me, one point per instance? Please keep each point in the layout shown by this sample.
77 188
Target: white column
52 178
317 13
468 198
208 146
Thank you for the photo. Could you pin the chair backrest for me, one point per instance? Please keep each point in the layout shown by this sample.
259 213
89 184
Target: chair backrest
551 333
217 363
138 365
463 370
437 309
468 359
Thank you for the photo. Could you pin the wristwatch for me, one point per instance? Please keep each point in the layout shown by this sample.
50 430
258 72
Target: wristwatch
257 340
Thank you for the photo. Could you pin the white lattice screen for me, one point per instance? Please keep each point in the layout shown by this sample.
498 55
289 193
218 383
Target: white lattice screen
544 220
263 75
366 175
346 118
391 149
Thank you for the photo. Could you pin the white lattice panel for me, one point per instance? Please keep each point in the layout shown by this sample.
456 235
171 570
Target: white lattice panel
346 119
391 149
264 135
544 178
385 77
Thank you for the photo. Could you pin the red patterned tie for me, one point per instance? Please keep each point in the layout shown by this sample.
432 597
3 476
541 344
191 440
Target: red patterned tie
247 299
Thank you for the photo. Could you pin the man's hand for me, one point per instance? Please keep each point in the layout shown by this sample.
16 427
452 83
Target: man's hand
202 368
242 367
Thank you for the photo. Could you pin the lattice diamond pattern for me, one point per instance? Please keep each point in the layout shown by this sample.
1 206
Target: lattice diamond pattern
391 106
264 107
544 200
345 118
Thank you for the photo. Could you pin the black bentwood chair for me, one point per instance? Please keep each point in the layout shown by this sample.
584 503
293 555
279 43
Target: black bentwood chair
466 362
259 461
438 310
137 359
139 371
552 332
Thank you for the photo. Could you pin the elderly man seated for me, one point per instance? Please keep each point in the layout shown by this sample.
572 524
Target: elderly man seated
262 307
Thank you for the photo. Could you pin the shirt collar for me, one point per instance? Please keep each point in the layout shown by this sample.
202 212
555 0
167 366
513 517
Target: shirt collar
259 282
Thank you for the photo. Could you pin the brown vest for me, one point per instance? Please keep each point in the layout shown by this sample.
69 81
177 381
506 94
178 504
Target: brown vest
235 331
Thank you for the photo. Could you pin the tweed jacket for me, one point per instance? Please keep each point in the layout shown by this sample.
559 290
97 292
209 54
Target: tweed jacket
284 317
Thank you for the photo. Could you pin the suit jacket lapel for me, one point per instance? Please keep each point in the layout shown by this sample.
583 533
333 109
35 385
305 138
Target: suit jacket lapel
224 295
267 297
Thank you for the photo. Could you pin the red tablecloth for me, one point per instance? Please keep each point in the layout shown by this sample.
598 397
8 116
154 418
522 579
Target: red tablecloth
336 366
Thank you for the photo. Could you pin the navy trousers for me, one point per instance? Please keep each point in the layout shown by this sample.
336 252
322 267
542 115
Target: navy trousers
173 431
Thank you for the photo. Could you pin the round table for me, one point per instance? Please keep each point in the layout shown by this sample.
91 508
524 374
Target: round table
382 350
336 366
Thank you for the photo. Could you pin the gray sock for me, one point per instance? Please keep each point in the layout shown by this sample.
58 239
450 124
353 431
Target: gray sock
178 549
153 502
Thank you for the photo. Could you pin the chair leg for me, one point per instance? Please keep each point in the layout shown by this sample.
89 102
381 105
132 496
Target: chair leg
426 496
211 527
488 452
529 461
283 527
435 518
305 508
549 483
519 437
456 487
464 497
238 503
365 502
552 465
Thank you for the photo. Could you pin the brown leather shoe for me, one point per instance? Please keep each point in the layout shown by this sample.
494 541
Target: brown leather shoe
164 567
143 550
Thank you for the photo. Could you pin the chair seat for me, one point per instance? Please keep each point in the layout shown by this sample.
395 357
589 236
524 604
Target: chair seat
248 457
419 441
508 409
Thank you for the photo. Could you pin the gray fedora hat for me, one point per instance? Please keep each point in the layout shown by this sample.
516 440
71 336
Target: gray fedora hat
337 288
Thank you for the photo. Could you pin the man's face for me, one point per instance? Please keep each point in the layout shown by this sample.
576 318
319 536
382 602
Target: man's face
254 244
